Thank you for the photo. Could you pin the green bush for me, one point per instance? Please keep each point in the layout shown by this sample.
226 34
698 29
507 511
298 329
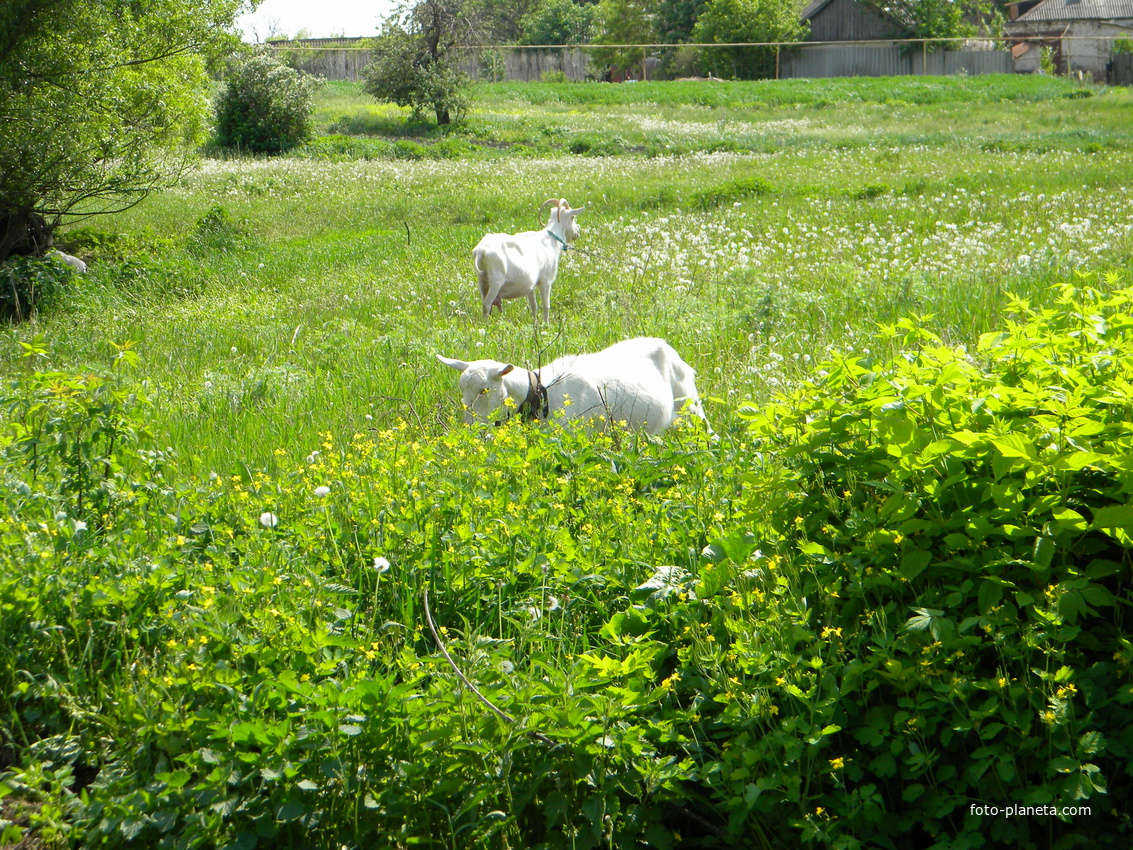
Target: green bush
946 562
265 106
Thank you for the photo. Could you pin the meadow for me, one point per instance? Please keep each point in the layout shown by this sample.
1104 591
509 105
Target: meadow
244 522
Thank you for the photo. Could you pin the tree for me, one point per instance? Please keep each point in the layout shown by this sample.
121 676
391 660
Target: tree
100 104
558 22
943 18
724 21
676 19
415 58
625 22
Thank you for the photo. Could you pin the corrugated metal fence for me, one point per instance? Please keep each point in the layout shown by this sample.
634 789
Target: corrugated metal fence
1123 69
861 60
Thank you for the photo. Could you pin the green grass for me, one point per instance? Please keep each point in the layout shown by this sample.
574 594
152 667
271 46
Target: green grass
237 681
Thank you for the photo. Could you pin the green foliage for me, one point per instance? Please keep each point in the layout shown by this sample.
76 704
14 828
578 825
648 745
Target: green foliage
265 106
100 101
624 22
262 640
29 283
414 62
676 19
942 18
901 593
961 531
216 232
558 22
726 21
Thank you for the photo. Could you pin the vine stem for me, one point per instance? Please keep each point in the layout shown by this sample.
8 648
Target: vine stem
499 712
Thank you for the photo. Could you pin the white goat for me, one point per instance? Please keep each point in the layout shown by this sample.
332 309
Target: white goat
515 265
74 262
642 382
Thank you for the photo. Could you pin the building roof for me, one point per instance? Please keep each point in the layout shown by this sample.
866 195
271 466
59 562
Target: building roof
816 6
1078 10
812 9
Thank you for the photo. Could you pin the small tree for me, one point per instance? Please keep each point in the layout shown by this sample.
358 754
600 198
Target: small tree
625 22
730 21
265 107
414 59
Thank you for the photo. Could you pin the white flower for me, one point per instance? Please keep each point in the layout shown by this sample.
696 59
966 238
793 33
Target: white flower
322 491
381 564
268 519
80 526
507 667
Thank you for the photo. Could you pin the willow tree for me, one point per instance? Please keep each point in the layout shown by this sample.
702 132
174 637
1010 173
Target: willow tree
101 103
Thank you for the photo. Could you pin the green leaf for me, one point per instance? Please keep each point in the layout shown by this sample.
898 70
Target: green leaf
991 592
1114 516
1015 446
914 561
290 811
1043 552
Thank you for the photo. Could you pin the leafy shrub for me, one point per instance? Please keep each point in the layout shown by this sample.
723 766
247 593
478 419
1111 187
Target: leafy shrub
29 283
553 77
960 531
265 106
406 149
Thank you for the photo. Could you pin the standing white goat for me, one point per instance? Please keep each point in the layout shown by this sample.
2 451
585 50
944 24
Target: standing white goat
642 382
515 265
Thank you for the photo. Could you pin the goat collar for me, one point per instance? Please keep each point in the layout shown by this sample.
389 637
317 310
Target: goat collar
536 405
559 239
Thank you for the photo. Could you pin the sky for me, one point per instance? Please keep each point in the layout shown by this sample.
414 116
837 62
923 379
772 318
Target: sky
320 18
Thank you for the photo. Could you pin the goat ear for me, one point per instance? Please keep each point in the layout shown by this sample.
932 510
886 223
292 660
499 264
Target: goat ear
505 370
459 365
576 211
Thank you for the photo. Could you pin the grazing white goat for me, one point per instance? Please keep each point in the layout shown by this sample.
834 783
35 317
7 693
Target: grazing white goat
642 382
516 265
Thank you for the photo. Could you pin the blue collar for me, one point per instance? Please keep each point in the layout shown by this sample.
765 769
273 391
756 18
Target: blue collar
559 239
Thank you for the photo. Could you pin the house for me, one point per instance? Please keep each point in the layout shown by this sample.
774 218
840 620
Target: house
1079 34
849 20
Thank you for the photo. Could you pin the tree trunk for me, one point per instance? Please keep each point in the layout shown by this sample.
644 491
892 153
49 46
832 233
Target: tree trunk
23 232
443 116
